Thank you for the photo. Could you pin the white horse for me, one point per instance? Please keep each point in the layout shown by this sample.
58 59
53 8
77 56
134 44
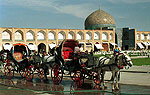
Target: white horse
110 64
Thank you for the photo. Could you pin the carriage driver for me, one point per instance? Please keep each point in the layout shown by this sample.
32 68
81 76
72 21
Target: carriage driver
116 53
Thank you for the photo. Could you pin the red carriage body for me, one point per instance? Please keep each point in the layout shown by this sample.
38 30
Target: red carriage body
68 47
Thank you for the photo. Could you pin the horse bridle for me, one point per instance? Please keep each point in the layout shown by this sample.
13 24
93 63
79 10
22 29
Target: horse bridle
125 62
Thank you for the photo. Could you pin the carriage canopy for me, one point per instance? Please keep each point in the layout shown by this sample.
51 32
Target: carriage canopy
20 52
67 48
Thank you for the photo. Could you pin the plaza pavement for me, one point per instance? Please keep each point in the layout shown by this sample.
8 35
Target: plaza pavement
135 75
138 69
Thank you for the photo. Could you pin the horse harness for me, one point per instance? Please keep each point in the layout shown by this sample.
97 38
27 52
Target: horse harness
102 60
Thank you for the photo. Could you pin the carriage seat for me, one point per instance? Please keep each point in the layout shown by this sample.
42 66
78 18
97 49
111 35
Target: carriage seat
18 56
68 55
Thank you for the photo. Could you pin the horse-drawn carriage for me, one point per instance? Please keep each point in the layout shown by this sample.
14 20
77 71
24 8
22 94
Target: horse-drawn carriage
78 64
68 61
83 65
17 59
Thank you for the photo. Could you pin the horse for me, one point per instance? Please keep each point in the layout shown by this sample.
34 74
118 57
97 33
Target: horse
46 61
110 64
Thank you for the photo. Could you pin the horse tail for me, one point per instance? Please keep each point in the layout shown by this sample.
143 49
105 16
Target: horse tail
112 78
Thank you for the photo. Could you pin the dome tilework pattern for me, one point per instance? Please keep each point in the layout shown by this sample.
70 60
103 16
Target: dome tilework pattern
100 18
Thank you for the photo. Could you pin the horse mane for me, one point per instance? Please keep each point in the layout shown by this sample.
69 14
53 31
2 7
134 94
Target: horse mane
52 51
125 54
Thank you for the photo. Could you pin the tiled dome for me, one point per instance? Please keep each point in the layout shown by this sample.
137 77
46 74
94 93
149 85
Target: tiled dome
99 19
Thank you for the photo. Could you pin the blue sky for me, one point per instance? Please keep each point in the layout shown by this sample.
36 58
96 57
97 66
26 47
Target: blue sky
71 14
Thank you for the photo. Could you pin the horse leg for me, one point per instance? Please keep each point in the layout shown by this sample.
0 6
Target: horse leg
100 77
117 75
103 74
45 71
113 75
45 75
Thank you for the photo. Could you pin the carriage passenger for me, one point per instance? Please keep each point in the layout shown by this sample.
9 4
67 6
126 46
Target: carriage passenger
76 50
81 48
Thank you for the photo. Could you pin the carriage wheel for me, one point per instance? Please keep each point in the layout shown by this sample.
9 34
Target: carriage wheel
9 70
29 73
56 74
97 78
40 73
78 78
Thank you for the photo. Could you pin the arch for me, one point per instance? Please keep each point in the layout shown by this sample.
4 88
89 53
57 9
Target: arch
32 46
148 36
61 35
30 35
18 35
142 36
138 36
6 35
80 35
88 35
96 35
41 35
105 36
111 36
71 35
41 48
51 35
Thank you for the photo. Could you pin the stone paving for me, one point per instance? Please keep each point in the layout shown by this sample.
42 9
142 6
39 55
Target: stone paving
135 80
137 75
140 69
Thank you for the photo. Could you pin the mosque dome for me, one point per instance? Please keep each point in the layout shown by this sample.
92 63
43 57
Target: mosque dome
99 19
